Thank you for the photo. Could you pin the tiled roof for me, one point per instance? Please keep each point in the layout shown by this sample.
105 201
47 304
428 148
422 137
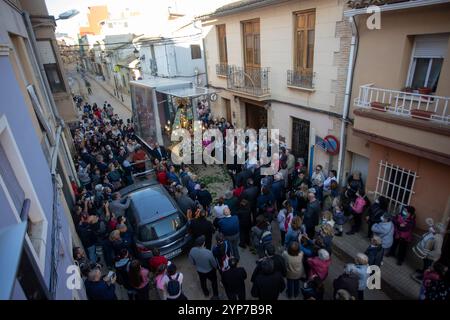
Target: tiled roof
357 4
237 5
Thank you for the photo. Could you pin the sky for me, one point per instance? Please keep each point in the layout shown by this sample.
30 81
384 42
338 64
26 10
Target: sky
72 26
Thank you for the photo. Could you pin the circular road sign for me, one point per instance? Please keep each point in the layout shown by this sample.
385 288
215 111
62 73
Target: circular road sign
332 144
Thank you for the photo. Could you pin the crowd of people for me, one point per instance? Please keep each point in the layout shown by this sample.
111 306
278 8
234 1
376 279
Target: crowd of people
308 211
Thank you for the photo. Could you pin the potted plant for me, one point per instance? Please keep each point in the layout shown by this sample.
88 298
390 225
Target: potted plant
408 89
425 90
379 106
421 114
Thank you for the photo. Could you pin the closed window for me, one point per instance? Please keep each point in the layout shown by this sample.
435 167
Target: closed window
196 52
222 40
427 60
304 41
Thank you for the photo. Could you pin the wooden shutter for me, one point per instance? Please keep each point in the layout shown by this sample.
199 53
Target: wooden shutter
304 41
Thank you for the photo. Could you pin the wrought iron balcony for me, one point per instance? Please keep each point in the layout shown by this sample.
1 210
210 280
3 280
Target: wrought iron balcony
252 81
410 104
222 69
300 79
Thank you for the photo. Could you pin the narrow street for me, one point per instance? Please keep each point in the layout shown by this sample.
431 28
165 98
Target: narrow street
191 285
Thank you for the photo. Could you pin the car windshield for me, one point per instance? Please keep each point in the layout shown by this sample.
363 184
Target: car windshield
163 227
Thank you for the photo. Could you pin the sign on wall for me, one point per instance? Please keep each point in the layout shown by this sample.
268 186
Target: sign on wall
329 144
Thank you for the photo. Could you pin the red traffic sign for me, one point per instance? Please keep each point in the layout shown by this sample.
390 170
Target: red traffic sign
332 144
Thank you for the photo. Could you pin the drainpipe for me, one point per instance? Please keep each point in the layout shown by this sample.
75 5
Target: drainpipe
348 91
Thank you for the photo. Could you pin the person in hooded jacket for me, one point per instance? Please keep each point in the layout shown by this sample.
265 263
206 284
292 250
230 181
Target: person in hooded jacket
268 284
385 230
376 211
404 223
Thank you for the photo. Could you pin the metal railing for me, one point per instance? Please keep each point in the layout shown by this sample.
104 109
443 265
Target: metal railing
410 104
300 79
252 81
222 69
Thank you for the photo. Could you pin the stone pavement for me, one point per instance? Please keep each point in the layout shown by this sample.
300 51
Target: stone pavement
396 280
107 88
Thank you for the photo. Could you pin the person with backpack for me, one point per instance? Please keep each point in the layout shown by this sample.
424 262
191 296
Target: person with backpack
279 262
429 247
222 253
233 281
261 235
173 281
122 266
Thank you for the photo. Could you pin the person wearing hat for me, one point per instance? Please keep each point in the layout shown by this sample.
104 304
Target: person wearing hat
385 230
206 266
429 246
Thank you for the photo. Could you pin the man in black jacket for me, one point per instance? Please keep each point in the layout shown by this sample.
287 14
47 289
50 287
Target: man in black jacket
202 226
347 281
279 263
204 197
234 281
269 283
377 210
250 194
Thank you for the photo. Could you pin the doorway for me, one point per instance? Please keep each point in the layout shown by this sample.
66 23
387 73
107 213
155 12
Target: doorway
256 116
227 105
361 164
300 139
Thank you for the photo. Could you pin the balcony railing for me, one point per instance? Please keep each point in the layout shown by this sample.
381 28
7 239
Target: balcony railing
300 79
408 104
222 69
252 81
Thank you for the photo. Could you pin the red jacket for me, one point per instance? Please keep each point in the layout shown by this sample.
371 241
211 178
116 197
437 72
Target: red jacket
162 178
238 191
406 231
318 267
155 262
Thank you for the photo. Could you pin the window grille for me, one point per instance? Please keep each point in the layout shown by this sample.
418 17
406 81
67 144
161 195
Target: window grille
396 184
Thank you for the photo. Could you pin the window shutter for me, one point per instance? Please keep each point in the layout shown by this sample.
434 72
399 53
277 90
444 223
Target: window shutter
431 46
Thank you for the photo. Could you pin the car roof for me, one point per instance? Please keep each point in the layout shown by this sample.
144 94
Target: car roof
151 202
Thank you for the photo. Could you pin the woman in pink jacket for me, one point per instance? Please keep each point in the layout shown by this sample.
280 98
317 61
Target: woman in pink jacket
404 224
357 209
318 266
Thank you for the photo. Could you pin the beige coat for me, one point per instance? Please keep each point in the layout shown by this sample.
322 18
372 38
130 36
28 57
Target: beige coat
294 265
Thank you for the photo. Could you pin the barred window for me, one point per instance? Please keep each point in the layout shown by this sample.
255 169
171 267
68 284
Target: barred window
396 184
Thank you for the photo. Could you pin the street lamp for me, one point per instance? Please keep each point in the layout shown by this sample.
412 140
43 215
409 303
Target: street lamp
68 14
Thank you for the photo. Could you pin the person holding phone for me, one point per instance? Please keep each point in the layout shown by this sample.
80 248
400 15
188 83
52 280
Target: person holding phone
98 288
